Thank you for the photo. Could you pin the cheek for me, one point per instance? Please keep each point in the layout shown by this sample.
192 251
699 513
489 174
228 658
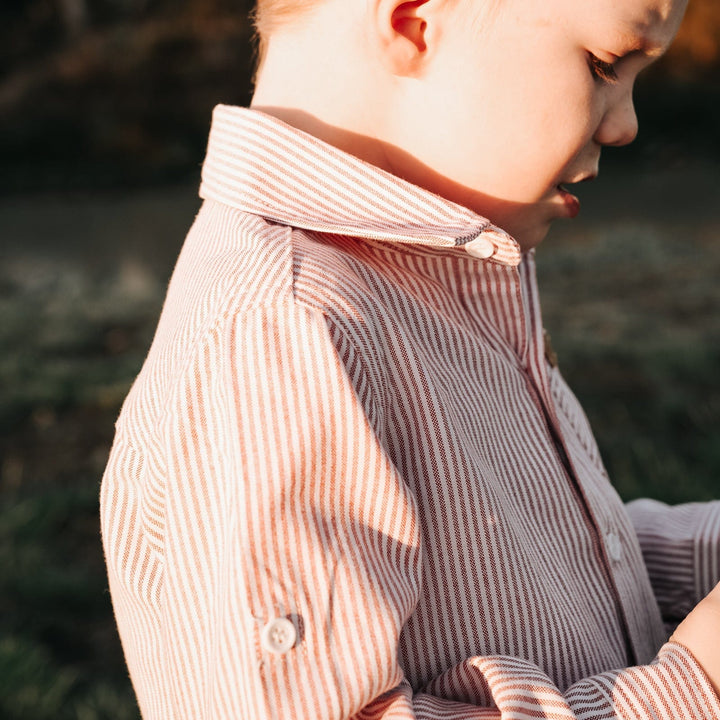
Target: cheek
510 133
546 114
582 98
569 117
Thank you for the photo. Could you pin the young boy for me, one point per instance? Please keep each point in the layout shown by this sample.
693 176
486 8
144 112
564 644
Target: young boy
348 482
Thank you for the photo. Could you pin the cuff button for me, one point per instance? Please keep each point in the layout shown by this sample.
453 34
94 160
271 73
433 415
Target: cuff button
278 636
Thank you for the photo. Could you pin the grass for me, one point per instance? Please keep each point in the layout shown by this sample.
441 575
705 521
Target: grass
58 650
632 306
77 341
633 311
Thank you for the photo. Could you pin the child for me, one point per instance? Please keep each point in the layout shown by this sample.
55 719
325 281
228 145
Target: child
348 482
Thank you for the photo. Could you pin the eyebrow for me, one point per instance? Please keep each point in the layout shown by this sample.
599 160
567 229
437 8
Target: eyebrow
639 43
651 52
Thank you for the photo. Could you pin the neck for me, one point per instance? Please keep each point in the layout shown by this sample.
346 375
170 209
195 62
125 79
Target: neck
306 86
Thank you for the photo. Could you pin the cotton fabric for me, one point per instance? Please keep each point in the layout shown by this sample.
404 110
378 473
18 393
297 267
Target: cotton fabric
347 430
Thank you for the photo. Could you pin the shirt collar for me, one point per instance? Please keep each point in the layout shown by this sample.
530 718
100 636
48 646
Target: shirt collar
259 164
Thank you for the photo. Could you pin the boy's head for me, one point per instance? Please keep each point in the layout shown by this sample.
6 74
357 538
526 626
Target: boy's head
491 103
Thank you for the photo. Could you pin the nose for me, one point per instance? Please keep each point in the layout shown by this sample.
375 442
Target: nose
619 125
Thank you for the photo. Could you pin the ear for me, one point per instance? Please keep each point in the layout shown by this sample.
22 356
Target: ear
402 33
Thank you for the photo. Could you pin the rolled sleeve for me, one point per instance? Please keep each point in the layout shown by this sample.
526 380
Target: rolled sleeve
681 548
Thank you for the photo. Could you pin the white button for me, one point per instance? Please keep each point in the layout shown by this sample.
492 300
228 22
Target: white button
481 247
614 547
278 636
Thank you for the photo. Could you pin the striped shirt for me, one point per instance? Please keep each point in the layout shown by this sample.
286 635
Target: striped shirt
349 483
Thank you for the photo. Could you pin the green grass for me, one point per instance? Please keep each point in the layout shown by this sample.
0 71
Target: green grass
633 312
78 341
58 651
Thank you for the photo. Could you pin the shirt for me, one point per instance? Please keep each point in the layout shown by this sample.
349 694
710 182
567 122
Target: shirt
348 483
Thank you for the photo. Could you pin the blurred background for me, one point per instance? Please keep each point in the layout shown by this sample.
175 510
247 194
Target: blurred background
104 112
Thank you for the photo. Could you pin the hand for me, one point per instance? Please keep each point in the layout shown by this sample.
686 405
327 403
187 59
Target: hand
699 632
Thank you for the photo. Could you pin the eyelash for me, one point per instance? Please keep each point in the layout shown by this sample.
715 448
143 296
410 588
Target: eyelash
602 70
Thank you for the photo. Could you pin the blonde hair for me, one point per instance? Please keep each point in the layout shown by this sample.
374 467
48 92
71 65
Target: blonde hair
269 15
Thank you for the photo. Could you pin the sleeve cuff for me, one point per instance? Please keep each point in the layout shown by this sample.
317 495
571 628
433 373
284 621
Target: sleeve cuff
707 549
667 539
674 686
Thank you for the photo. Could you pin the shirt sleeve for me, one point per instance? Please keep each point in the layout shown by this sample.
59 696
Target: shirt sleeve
681 548
287 556
481 688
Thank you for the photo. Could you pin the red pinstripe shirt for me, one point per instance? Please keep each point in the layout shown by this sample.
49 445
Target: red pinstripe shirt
348 483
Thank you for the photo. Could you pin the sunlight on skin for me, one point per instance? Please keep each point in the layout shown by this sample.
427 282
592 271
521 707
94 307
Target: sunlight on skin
496 121
699 633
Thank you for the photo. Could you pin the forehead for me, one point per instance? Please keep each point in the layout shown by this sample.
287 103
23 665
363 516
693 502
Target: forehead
647 25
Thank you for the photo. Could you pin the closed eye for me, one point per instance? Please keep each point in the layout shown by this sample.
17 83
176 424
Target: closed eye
602 71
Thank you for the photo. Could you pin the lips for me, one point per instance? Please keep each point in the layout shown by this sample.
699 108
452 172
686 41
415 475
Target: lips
572 204
570 201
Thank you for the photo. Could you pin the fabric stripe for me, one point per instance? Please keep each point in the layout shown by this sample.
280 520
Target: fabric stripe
346 434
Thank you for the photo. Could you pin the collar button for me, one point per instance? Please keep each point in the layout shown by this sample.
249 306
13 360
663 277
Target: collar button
481 247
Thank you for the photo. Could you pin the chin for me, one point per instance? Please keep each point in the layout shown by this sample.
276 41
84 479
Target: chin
530 237
528 224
